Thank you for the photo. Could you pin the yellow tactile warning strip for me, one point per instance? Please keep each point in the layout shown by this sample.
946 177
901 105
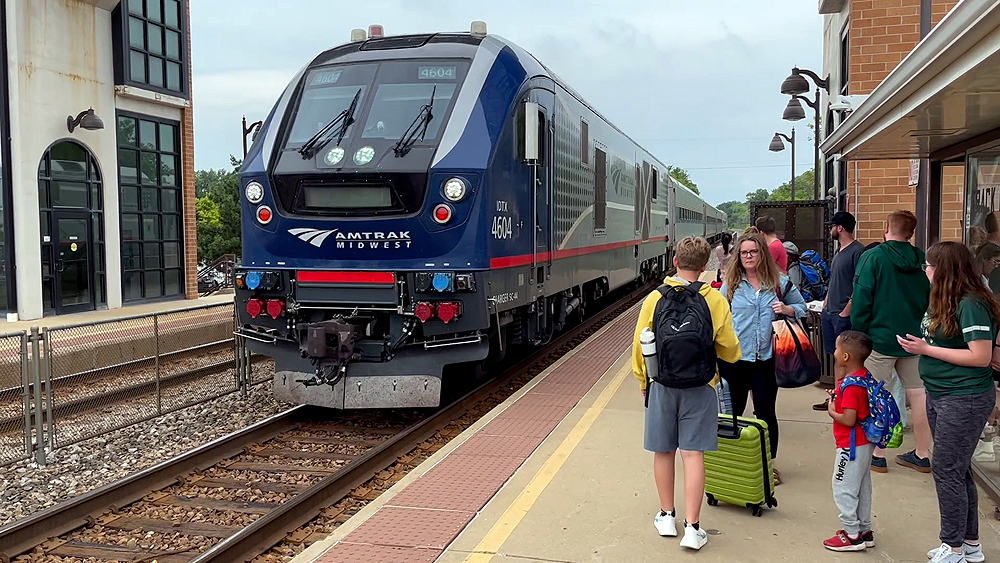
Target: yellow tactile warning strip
502 530
441 502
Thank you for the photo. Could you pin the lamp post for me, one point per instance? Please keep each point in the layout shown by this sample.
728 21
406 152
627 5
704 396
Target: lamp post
777 146
795 85
253 128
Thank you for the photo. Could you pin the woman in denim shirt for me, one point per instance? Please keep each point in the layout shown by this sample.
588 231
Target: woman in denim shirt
752 285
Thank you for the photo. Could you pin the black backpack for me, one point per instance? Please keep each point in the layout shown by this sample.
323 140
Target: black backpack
685 337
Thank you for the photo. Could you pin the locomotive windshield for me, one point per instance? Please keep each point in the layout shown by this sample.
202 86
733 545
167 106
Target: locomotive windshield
401 90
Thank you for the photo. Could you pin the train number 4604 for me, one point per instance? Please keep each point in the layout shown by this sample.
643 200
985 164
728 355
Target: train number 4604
502 227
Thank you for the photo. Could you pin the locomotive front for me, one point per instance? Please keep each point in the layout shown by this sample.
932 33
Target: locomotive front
364 264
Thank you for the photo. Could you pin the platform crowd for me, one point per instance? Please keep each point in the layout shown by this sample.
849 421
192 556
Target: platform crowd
923 324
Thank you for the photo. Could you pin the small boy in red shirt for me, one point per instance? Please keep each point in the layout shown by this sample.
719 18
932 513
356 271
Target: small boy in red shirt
852 482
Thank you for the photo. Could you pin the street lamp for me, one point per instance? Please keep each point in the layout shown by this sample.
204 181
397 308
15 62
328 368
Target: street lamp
793 86
253 128
777 146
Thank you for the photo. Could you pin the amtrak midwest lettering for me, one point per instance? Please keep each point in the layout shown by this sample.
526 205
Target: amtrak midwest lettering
356 239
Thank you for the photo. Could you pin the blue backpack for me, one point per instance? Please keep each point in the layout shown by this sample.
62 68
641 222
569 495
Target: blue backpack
882 426
814 276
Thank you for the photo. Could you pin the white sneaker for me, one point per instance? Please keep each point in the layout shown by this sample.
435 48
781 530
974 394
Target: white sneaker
984 452
944 554
665 524
972 553
694 539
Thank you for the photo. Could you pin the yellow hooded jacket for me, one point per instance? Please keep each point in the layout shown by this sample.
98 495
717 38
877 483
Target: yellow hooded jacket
727 347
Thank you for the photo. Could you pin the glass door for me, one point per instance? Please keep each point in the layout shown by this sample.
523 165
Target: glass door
74 278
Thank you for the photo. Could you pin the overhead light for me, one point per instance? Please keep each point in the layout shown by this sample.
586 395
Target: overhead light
86 120
795 84
793 111
478 29
776 144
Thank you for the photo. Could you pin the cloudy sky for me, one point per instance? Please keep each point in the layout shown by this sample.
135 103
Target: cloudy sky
693 81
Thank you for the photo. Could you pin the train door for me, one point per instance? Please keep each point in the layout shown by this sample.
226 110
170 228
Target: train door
539 111
671 222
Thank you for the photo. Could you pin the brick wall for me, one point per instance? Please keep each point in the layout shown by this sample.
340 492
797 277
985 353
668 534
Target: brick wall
881 34
952 203
188 181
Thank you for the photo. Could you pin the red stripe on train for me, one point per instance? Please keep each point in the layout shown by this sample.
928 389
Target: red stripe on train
524 259
309 276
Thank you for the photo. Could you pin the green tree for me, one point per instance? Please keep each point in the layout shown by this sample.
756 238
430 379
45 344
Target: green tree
803 188
682 176
760 194
204 179
207 212
219 215
737 214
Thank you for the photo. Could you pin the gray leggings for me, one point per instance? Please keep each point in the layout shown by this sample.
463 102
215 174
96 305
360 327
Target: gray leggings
956 422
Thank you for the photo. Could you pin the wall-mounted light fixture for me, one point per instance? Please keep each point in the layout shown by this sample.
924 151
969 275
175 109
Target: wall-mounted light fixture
86 120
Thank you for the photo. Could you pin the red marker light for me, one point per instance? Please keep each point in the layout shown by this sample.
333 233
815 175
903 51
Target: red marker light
376 30
264 214
447 311
254 307
442 214
275 307
424 311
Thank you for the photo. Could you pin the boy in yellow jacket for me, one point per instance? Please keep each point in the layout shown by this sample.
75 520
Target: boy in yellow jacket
684 419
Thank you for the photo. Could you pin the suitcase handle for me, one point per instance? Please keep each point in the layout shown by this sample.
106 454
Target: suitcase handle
735 429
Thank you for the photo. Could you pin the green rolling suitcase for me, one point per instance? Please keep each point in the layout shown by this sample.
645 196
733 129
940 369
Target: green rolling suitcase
739 472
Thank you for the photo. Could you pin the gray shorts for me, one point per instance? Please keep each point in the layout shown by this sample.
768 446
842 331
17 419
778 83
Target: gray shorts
907 369
686 419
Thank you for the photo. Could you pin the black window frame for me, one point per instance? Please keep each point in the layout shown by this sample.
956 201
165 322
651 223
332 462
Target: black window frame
845 60
94 177
141 214
122 41
584 142
600 189
8 268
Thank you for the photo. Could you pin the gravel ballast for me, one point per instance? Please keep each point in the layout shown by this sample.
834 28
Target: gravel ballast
26 488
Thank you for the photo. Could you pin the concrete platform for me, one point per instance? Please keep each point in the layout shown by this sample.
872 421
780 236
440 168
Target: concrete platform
586 494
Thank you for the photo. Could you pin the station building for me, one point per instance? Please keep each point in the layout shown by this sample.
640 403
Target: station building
929 101
96 155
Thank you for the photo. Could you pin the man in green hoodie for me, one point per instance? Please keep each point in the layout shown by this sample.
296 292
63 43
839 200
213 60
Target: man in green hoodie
891 294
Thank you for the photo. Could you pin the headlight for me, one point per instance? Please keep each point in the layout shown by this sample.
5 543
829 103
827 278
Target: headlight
455 190
334 156
254 192
364 156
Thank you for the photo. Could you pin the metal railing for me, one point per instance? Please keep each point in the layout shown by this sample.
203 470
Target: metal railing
62 385
217 276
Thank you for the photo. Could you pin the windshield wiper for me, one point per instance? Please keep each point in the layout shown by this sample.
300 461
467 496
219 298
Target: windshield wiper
419 125
345 118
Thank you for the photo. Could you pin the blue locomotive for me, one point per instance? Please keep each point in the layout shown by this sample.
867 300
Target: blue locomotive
421 201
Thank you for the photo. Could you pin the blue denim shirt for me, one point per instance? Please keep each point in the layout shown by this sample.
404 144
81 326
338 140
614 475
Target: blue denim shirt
753 315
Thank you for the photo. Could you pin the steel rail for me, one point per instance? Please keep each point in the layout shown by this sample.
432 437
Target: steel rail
269 529
23 535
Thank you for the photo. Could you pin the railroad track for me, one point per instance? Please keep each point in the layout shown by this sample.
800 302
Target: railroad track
117 395
264 487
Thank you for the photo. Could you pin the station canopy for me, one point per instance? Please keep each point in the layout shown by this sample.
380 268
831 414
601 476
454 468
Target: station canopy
946 92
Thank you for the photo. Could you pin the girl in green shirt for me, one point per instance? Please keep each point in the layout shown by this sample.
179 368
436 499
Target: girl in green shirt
955 354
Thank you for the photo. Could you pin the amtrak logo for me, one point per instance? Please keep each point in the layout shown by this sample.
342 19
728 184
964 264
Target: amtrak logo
314 237
373 240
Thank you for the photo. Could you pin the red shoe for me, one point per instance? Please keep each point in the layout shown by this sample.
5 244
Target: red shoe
842 542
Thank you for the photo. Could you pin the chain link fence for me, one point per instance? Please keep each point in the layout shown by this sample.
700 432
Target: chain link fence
66 384
16 393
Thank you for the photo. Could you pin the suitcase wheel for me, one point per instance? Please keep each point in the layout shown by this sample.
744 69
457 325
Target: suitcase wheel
756 510
712 501
772 503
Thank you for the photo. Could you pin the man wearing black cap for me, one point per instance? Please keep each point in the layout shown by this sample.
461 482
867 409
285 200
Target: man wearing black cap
836 317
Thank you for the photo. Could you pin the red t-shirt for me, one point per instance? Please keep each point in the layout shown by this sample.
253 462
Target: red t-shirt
856 398
779 254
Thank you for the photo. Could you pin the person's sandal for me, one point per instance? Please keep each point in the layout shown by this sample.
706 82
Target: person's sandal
777 477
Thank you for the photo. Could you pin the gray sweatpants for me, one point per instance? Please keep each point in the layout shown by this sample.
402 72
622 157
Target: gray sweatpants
852 488
956 423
